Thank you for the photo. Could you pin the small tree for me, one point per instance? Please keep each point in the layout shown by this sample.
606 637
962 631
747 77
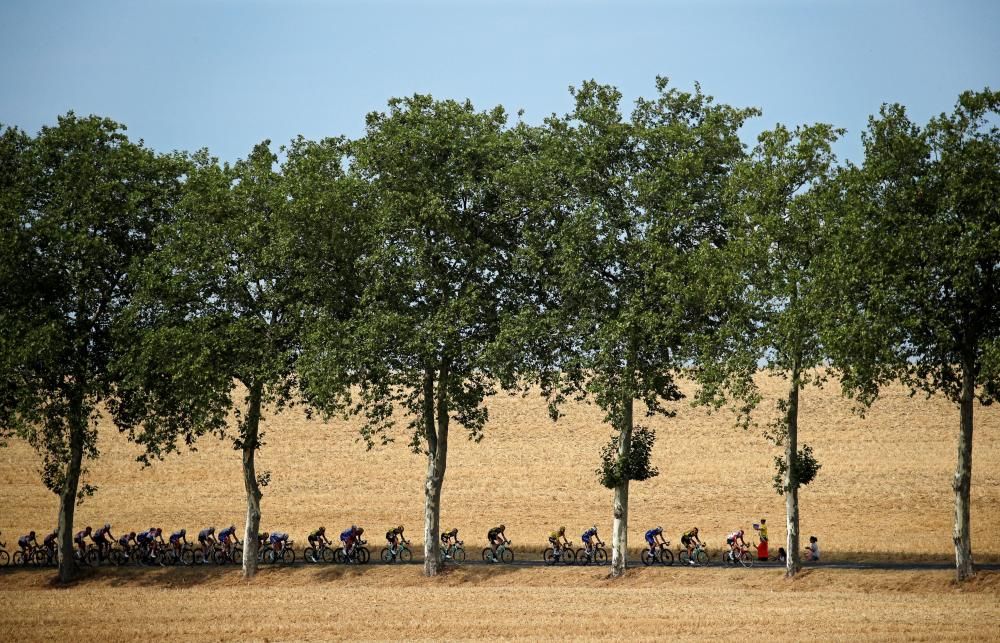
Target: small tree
433 280
220 305
922 293
80 205
625 221
783 201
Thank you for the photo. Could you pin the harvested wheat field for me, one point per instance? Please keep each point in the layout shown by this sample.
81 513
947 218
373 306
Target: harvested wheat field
883 493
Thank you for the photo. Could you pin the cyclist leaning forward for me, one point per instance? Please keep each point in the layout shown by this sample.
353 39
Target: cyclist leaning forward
558 540
690 540
448 538
317 539
732 539
587 538
655 538
497 537
393 537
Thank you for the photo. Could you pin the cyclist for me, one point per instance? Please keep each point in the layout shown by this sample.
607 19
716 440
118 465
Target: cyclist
27 543
558 540
206 538
350 538
262 541
393 536
655 538
50 543
735 540
103 539
145 539
125 542
176 538
496 536
448 540
587 538
227 538
279 540
79 539
318 539
690 540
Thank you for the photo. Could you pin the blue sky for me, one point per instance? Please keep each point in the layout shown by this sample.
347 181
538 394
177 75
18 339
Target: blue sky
225 74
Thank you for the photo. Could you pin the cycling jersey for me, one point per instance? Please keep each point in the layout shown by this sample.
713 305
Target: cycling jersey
227 532
652 534
51 538
176 536
347 534
555 535
278 537
124 540
101 533
204 534
144 538
79 537
587 535
24 542
316 535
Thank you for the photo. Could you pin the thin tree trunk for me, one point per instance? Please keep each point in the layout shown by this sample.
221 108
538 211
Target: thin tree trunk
619 536
963 478
793 556
67 495
250 482
437 460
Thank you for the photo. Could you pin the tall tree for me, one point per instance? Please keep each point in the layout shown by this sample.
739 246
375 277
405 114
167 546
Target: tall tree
219 312
783 201
80 206
922 294
627 218
433 278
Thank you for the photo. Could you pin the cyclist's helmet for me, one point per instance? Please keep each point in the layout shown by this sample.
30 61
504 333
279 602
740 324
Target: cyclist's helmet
266 535
31 533
594 527
501 527
184 532
232 527
399 529
107 525
131 534
659 529
321 530
87 530
361 530
158 530
562 530
694 530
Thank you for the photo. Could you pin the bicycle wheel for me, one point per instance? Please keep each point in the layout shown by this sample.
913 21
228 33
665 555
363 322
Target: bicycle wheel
569 556
507 556
386 555
19 558
236 556
288 556
648 557
745 559
116 557
364 555
405 555
600 555
187 556
329 555
4 558
458 555
309 555
549 556
666 557
487 552
339 556
702 557
93 557
682 557
582 557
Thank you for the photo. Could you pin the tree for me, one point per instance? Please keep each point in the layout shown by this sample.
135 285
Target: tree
922 293
220 305
80 207
626 220
783 202
433 280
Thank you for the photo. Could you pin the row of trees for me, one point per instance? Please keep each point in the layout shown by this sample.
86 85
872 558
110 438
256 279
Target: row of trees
447 254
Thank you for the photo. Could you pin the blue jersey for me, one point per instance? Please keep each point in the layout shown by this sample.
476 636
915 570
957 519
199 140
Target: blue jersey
653 533
347 533
177 535
227 532
278 537
205 533
587 535
145 537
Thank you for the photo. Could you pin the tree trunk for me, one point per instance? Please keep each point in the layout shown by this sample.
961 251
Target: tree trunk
794 557
437 460
619 536
963 478
67 495
250 443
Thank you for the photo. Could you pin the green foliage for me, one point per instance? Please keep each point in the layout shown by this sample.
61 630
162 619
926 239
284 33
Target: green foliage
636 465
806 468
80 204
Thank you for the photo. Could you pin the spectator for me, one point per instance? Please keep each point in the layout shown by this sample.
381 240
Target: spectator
812 551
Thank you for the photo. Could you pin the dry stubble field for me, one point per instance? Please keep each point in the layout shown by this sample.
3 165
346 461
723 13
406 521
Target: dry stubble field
883 493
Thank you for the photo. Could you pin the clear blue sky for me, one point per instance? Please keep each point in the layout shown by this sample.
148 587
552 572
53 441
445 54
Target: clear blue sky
225 74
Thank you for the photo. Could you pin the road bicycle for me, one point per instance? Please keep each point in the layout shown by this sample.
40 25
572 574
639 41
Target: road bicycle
285 555
88 557
564 555
739 556
358 554
699 554
25 558
660 553
596 554
401 553
454 552
504 554
324 554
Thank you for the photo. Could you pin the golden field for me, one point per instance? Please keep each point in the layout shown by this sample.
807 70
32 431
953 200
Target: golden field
883 494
